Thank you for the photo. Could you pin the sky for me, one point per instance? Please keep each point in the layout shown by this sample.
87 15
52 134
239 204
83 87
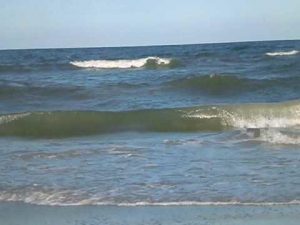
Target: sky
104 23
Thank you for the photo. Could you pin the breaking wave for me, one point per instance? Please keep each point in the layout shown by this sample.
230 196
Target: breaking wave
61 124
293 52
149 62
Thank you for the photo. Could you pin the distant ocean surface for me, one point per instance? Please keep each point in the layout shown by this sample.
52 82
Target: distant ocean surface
211 124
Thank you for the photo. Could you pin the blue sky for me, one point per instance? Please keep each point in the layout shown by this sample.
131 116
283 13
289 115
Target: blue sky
88 23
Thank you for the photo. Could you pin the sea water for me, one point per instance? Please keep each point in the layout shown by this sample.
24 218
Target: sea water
213 124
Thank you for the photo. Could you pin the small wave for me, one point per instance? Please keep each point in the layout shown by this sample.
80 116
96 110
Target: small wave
287 53
149 62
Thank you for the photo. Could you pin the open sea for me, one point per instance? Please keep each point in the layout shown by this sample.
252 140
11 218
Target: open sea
210 124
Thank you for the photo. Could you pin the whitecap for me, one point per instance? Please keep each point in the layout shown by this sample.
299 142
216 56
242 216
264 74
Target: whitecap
286 53
121 64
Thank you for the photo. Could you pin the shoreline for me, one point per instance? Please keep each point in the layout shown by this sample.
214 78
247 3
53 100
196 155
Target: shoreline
27 214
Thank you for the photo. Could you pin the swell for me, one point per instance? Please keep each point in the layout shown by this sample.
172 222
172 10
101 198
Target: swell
229 84
19 90
33 67
62 124
219 85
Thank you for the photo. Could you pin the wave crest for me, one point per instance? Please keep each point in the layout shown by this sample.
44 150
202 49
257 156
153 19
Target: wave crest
149 62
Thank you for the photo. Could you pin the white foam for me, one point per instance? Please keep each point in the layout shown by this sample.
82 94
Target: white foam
65 198
40 196
121 64
48 197
277 115
277 137
198 203
263 122
293 52
200 116
8 118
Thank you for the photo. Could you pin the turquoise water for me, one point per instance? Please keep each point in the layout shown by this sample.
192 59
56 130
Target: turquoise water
214 124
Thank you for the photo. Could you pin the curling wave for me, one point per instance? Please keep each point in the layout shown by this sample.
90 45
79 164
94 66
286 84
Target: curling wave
62 124
287 53
149 62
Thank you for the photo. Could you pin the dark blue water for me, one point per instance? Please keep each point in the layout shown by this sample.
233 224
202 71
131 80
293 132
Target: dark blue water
195 124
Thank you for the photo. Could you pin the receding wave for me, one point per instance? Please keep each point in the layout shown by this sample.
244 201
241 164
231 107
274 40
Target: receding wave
149 62
286 53
61 124
79 198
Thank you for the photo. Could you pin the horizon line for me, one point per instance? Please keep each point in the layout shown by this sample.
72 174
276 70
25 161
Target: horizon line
150 45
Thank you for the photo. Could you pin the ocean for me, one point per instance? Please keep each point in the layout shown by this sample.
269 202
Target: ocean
183 125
